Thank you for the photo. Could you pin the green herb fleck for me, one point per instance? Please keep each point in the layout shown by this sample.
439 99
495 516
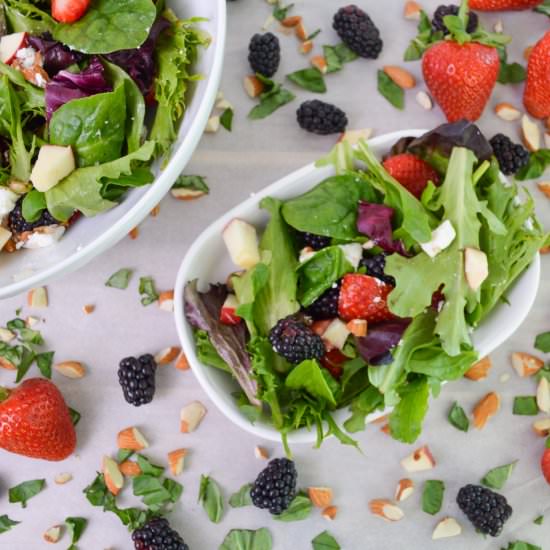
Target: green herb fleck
120 279
510 73
538 520
6 524
281 12
325 541
309 79
244 539
76 526
390 90
226 119
148 291
274 97
544 8
432 496
25 491
195 183
497 477
538 162
211 498
75 416
457 417
525 405
299 509
241 497
521 545
542 342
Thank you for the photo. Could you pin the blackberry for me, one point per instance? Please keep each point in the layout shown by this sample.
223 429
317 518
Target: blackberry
17 223
137 378
375 268
510 156
317 242
326 306
275 486
488 511
442 11
264 54
295 341
357 31
321 118
157 534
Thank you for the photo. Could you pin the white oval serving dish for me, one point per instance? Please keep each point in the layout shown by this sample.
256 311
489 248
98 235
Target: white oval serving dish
208 261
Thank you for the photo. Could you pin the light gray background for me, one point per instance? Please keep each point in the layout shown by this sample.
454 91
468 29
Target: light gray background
236 164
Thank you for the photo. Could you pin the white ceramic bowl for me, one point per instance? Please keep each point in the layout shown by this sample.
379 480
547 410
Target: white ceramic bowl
208 261
89 237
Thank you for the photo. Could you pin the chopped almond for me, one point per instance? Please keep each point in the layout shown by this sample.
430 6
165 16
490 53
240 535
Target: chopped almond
447 527
129 468
506 111
320 63
53 534
419 461
291 21
542 427
380 419
191 416
526 364
70 369
31 321
166 300
424 100
485 409
184 194
300 31
330 512
385 429
6 364
88 309
167 355
131 439
403 78
182 362
6 335
543 396
306 46
176 461
253 86
134 233
544 187
37 297
261 453
358 327
544 250
321 497
112 475
156 211
354 136
527 52
412 11
386 509
213 125
531 134
61 479
404 490
479 371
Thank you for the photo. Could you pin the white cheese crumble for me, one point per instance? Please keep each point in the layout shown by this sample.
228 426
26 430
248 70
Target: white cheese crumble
39 239
442 237
7 201
27 56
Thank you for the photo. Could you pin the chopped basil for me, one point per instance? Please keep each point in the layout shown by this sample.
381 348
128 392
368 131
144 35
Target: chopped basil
211 498
195 183
521 545
390 90
120 279
510 73
241 497
432 496
281 12
425 38
148 291
457 417
542 342
226 119
123 454
313 35
497 477
44 363
156 493
245 539
76 526
538 520
75 416
16 324
337 56
274 97
310 79
148 468
325 541
6 524
25 491
33 204
525 405
544 8
538 162
543 373
299 509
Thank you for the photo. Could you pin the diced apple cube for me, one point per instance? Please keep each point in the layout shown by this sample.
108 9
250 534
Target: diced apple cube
242 243
228 314
54 163
9 44
336 334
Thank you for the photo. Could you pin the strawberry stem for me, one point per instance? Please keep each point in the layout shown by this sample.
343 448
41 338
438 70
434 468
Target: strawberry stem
4 393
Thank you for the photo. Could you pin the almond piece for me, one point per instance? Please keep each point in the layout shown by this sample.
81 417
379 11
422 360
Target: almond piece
183 194
542 427
88 309
129 468
131 439
506 111
70 369
405 488
447 527
380 419
543 396
61 479
499 26
268 22
526 364
385 429
485 409
329 513
6 335
403 78
424 100
176 461
31 321
261 453
527 52
546 140
544 187
530 133
224 104
544 250
37 297
5 364
134 233
419 461
321 497
412 11
480 370
300 31
291 21
358 327
354 136
213 125
166 301
253 86
191 416
320 63
476 267
53 534
112 476
19 187
167 355
386 509
182 362
306 46
155 211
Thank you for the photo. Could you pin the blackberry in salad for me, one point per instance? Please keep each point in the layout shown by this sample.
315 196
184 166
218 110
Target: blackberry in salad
510 156
438 24
295 341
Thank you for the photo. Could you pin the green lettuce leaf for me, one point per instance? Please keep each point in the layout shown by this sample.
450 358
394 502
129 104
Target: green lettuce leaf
25 16
407 416
309 376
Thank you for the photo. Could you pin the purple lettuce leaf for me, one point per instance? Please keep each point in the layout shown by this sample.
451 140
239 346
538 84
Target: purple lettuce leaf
374 221
139 63
202 311
381 338
56 56
66 86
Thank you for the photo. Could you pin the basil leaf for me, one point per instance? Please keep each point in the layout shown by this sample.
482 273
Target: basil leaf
280 12
510 73
542 342
147 467
25 491
298 510
525 405
226 119
497 477
174 489
241 497
521 545
156 493
76 526
432 496
195 183
244 539
538 520
309 79
33 204
27 357
16 324
543 373
538 162
457 417
75 416
270 102
325 541
148 291
30 336
123 454
390 90
211 498
120 279
6 524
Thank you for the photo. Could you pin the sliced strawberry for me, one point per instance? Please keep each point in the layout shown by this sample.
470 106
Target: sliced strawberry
411 172
364 297
228 313
545 464
333 361
69 11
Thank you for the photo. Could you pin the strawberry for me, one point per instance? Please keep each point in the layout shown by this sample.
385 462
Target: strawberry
364 297
536 97
35 421
69 11
333 361
411 172
461 77
545 464
500 5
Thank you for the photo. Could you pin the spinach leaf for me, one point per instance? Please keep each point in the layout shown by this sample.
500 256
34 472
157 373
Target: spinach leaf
148 291
25 16
109 26
34 203
44 363
241 497
280 12
76 526
497 477
367 402
538 520
211 498
299 509
155 492
407 417
6 524
244 539
542 342
309 376
391 91
525 405
26 490
325 541
432 496
309 79
120 279
457 417
226 119
544 8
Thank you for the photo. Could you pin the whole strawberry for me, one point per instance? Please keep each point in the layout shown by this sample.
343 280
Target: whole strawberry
35 421
545 464
500 5
536 97
411 172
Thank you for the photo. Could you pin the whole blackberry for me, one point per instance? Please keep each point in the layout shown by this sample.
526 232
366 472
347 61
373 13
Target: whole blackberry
488 511
275 486
295 341
157 534
357 31
375 266
137 378
17 223
317 242
326 306
264 54
442 11
511 156
321 118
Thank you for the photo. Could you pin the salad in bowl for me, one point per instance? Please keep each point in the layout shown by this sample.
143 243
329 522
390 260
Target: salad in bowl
364 291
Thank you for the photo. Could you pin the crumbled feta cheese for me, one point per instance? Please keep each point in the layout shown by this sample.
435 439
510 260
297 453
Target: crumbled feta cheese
529 225
369 244
27 56
7 201
39 80
306 254
39 239
442 237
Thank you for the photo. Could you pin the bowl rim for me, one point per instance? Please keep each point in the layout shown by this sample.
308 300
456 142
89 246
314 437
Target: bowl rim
303 435
158 189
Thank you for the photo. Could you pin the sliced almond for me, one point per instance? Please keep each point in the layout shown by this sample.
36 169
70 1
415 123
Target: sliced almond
412 11
182 362
380 419
544 187
134 233
485 409
321 497
531 133
300 31
542 427
544 250
183 194
480 370
129 468
5 238
546 140
506 111
131 439
329 513
476 267
543 396
291 21
424 100
31 321
61 479
419 461
213 124
306 46
526 364
70 369
155 211
403 78
405 488
386 509
37 297
6 335
191 416
167 355
447 527
261 453
225 104
176 460
358 327
498 27
253 86
320 63
354 136
112 475
527 52
166 301
268 22
6 364
88 309
53 534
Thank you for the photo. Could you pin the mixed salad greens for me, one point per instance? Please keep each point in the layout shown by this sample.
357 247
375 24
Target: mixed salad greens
86 106
450 258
